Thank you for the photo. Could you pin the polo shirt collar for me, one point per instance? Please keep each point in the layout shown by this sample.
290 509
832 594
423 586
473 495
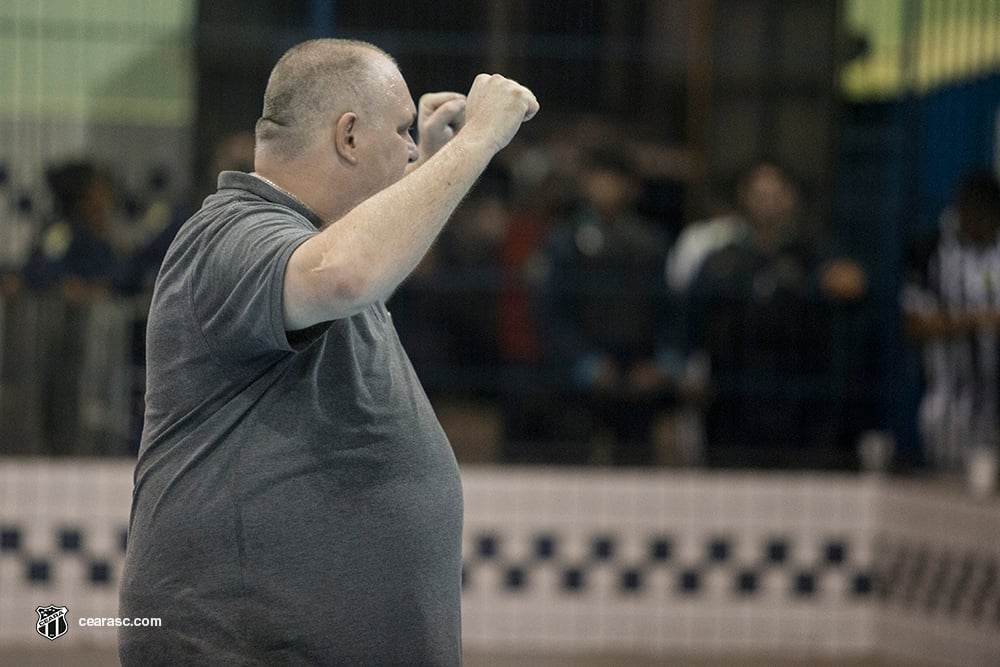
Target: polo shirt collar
258 186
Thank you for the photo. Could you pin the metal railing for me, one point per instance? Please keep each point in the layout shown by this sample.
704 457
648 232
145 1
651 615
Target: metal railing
69 376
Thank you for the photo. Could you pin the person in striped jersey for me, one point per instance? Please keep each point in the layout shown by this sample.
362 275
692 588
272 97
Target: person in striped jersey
951 306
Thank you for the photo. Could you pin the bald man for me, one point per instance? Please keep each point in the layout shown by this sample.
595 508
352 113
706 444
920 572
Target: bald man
296 501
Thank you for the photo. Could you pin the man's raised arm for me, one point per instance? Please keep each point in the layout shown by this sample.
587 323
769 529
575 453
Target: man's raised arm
363 256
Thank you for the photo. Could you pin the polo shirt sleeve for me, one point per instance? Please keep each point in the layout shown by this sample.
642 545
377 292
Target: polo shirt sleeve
236 290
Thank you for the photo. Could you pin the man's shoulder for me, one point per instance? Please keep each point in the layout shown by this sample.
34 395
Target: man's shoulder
230 225
230 209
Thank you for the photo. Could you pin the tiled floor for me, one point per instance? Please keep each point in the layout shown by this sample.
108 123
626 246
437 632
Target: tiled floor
46 656
631 660
590 568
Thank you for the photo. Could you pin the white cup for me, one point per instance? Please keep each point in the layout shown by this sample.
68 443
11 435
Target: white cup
981 471
875 450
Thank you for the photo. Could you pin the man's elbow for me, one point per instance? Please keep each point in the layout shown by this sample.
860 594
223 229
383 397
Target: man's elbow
343 287
348 288
325 293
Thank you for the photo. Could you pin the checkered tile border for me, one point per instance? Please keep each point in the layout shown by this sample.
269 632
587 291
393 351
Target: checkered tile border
685 578
574 560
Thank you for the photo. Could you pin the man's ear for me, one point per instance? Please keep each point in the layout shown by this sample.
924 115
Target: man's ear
344 138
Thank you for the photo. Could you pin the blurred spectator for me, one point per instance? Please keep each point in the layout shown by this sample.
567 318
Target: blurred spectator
538 191
75 255
762 307
447 310
521 269
700 239
951 304
468 251
600 311
685 359
543 174
162 215
72 370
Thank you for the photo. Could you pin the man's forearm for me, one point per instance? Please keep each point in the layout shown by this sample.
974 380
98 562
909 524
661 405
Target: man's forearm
362 257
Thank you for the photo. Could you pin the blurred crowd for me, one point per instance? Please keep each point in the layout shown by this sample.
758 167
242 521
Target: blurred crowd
78 258
78 263
575 291
571 291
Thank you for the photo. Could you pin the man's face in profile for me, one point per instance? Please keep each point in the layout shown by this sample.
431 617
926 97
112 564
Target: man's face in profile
385 145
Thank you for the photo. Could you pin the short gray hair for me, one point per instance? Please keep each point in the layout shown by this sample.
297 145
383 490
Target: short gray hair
310 81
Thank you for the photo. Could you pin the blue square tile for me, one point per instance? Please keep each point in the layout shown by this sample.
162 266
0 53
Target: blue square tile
38 571
10 538
70 539
777 551
836 553
961 584
515 579
746 583
487 546
805 584
661 549
631 580
938 581
545 547
977 611
861 584
718 550
604 548
990 578
690 582
573 580
920 562
100 573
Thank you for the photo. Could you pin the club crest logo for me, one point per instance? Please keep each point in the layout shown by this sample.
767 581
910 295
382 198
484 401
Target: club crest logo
51 621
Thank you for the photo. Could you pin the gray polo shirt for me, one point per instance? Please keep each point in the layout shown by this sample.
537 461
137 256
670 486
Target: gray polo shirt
296 501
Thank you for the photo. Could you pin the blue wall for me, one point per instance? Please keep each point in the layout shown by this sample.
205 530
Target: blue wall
956 132
897 168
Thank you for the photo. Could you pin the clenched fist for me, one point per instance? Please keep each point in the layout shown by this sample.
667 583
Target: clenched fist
495 108
439 117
